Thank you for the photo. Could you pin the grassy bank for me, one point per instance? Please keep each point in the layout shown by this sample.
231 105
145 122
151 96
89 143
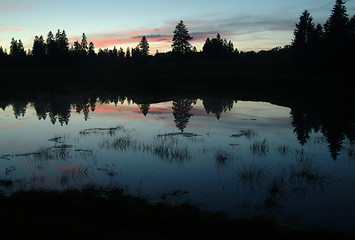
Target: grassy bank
97 214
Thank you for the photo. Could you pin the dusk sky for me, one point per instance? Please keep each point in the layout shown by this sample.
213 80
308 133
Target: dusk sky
250 24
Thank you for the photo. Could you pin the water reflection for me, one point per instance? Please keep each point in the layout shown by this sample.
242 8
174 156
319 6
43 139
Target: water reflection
244 158
335 124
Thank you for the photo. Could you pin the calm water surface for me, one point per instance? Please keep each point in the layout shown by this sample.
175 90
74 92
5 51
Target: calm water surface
243 158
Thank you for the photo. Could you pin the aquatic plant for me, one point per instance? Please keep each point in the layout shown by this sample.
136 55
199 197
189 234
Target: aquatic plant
123 142
249 174
283 149
260 147
222 156
304 173
248 133
169 148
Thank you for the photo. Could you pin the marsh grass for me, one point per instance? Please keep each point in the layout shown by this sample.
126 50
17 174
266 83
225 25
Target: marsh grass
110 131
277 186
283 149
169 148
248 133
61 151
86 153
304 174
73 175
250 174
259 147
222 156
58 139
124 142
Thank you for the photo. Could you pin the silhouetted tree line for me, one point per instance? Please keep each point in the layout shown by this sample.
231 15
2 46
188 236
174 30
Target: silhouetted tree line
56 49
314 47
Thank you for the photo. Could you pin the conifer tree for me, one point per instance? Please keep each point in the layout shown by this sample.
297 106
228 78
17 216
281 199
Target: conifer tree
51 45
91 49
128 53
144 47
39 47
336 25
181 39
304 31
84 45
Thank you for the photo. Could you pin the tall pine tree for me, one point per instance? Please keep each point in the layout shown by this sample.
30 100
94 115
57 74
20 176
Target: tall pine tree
181 39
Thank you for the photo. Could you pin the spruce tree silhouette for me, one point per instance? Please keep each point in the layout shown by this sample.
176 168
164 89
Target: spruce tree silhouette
91 52
181 39
144 47
337 36
39 47
336 25
51 45
16 48
84 45
62 43
303 35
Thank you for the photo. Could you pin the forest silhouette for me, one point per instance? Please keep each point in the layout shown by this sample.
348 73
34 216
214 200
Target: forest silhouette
315 48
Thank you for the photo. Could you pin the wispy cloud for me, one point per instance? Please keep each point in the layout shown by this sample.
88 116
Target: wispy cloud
4 29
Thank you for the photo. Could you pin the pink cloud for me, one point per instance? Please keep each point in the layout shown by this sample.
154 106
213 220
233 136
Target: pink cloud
6 27
116 38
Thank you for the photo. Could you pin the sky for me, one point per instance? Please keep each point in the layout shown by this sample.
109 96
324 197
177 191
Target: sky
249 24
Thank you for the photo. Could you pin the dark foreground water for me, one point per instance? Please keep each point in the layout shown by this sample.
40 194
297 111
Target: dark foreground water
241 157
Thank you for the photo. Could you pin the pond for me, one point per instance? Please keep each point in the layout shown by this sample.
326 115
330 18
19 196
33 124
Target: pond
243 158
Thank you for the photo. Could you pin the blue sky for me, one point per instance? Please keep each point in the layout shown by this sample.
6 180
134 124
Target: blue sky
250 24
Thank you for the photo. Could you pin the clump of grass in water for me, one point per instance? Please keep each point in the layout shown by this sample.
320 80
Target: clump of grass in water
169 148
260 147
59 151
304 173
222 156
252 173
249 134
283 150
124 142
